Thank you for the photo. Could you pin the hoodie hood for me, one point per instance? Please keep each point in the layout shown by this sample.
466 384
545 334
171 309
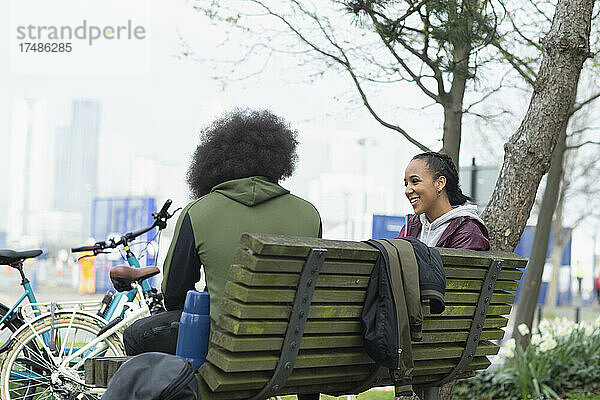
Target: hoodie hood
250 191
432 231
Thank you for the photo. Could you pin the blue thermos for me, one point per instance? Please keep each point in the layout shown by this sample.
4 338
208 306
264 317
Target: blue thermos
194 328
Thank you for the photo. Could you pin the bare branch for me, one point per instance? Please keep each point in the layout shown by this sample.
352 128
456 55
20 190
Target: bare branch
400 61
521 67
487 95
577 146
578 106
343 60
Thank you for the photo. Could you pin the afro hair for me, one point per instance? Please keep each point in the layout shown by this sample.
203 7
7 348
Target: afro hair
240 144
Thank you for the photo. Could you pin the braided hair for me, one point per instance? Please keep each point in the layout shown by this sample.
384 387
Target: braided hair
442 165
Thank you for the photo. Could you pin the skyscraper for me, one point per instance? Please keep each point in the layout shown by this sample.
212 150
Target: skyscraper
75 178
30 167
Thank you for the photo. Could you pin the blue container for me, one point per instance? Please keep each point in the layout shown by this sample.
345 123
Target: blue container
194 328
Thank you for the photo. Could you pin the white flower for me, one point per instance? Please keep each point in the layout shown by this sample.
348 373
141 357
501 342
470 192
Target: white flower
511 344
507 350
523 329
588 329
544 325
548 344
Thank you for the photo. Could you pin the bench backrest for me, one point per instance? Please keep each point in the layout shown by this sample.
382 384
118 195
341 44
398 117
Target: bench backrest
246 343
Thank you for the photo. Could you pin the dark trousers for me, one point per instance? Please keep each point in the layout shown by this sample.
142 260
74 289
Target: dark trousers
154 333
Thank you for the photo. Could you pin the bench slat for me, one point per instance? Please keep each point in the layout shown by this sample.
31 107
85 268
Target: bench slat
262 327
259 263
267 343
272 295
474 258
248 278
289 264
264 361
341 310
294 246
219 381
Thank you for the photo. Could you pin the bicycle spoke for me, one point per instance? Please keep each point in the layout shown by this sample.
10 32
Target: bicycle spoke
60 355
34 352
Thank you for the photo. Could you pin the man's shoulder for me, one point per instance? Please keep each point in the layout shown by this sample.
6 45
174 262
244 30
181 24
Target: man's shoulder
300 202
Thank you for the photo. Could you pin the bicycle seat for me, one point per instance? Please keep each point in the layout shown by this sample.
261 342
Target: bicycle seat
9 257
123 276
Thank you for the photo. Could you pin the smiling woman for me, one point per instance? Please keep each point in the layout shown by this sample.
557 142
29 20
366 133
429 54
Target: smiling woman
443 217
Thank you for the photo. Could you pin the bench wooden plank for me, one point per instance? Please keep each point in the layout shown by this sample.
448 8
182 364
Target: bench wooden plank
267 343
294 246
263 327
248 278
272 295
258 263
479 273
474 258
264 361
219 381
341 310
498 297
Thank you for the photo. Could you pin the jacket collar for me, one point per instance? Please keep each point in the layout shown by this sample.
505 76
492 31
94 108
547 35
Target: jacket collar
415 226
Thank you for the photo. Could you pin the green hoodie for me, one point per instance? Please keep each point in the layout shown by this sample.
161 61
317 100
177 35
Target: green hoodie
209 229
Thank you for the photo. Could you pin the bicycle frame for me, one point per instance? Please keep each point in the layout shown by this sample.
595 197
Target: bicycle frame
116 300
30 295
92 348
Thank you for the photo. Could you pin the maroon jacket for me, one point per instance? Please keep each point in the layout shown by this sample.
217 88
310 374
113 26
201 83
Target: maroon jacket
462 233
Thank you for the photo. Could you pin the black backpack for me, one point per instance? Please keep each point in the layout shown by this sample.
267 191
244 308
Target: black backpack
154 376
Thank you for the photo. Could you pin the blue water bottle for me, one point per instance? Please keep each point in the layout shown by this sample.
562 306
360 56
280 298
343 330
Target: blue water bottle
194 328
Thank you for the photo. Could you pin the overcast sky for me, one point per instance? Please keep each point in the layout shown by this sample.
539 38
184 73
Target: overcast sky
154 103
160 110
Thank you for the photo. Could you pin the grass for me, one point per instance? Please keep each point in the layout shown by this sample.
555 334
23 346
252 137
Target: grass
374 394
384 394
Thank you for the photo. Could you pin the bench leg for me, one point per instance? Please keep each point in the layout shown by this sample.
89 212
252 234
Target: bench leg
428 393
431 393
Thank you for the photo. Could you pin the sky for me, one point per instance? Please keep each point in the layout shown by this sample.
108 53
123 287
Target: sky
154 101
157 107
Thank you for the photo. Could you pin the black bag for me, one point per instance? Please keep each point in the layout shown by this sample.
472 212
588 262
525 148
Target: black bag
392 314
154 376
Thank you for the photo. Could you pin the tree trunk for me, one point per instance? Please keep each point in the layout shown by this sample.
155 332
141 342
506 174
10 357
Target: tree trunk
556 260
530 287
558 242
528 152
453 105
452 130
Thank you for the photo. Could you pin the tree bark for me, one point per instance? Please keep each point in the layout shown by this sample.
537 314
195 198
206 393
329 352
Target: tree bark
530 287
528 152
558 242
453 104
556 261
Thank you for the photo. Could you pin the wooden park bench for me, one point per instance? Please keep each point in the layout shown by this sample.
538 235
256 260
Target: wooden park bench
290 321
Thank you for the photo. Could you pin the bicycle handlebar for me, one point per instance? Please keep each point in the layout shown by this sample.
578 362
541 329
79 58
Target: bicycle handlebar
160 221
83 248
163 211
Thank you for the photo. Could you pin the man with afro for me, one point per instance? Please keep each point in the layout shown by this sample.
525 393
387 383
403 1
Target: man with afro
233 177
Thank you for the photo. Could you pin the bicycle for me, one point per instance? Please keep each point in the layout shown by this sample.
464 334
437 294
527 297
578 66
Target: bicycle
37 336
153 297
33 369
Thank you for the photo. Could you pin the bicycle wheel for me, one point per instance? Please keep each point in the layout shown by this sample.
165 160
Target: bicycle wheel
9 326
31 363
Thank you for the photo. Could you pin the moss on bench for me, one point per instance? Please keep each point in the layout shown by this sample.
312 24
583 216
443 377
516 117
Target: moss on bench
246 342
